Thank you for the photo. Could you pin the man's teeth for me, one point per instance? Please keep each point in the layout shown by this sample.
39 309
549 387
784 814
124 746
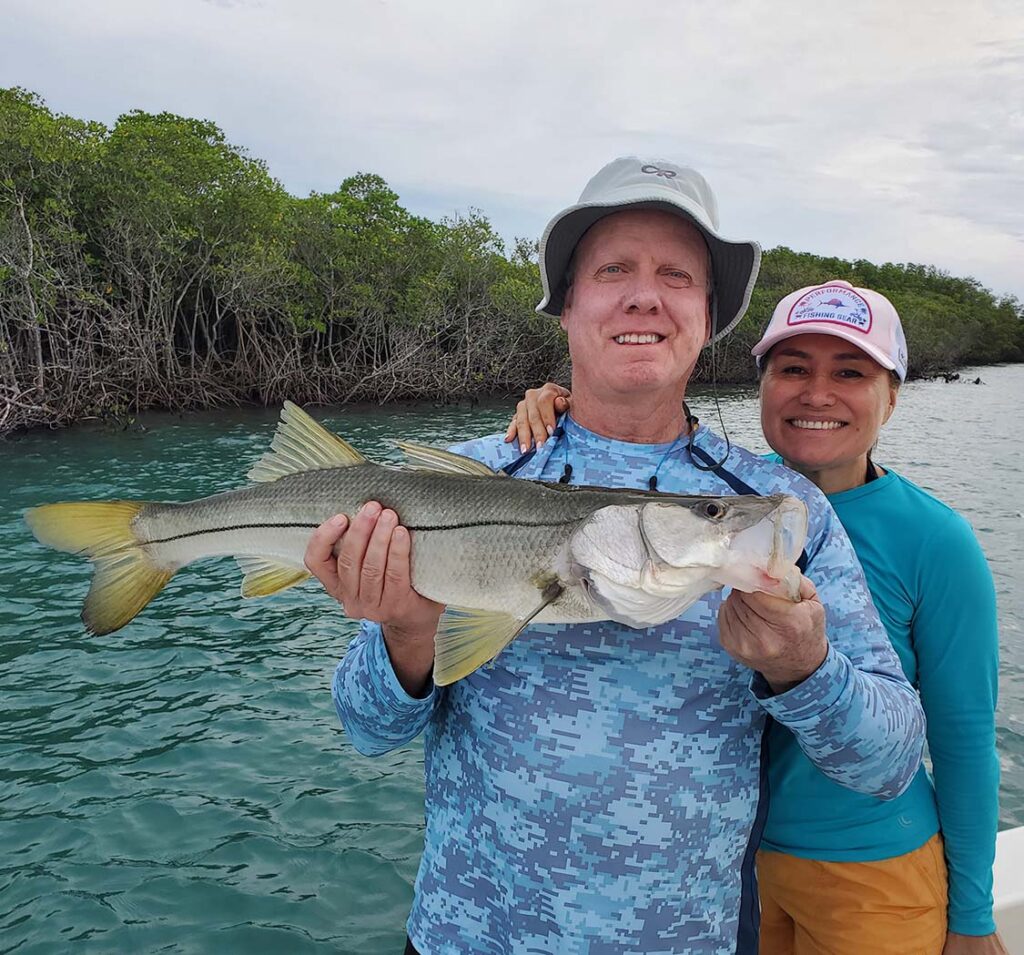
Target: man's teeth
818 425
632 339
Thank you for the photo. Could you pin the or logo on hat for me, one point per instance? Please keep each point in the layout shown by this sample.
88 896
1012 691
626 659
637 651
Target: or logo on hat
658 171
835 304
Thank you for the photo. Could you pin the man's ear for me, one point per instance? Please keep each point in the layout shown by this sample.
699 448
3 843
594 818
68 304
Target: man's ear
566 305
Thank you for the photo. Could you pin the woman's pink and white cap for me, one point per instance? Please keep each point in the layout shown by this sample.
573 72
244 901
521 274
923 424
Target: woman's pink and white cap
860 316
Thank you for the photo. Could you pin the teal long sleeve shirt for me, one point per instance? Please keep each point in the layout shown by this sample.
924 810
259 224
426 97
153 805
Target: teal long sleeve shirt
934 592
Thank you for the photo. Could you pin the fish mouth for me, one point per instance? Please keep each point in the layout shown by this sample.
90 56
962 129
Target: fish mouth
638 338
789 534
780 534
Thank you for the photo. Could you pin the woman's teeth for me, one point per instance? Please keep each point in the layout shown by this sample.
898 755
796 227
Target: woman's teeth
649 339
817 425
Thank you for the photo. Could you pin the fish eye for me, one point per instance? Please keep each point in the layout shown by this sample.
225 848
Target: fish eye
713 509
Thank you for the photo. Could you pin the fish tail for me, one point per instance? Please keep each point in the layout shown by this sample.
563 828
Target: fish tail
125 577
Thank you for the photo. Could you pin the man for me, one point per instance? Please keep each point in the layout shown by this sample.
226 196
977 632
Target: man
598 789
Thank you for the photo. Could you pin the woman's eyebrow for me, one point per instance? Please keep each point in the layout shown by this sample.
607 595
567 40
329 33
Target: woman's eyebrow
838 356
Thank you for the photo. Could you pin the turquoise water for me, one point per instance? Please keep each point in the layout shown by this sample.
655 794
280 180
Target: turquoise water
183 785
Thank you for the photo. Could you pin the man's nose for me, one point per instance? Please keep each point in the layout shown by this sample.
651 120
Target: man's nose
642 296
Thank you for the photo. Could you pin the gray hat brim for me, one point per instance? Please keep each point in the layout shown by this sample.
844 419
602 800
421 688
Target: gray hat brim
734 264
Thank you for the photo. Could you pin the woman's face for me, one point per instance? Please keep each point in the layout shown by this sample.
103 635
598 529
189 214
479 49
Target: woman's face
823 403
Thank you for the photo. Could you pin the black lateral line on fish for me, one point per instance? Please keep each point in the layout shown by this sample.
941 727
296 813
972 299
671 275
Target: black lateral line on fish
313 527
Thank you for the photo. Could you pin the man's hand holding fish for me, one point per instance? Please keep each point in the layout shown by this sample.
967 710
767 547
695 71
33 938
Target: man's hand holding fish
783 641
365 566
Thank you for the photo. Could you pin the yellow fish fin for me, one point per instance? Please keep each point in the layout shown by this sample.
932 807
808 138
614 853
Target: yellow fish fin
87 528
125 578
301 444
467 639
423 458
121 588
265 576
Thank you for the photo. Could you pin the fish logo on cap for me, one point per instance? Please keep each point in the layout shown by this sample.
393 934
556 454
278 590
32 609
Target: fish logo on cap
843 306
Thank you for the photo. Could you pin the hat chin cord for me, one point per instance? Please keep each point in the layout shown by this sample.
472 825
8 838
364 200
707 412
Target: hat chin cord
692 421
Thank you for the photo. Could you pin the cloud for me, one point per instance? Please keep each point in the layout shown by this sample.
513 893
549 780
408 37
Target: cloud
869 130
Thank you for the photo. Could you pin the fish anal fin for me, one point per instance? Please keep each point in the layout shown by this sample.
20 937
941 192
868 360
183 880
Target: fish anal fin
302 444
265 576
424 458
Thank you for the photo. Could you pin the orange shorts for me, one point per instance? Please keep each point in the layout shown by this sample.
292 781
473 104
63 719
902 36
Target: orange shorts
890 907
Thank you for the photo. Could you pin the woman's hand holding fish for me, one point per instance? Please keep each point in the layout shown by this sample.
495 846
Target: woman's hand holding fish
365 565
536 415
784 641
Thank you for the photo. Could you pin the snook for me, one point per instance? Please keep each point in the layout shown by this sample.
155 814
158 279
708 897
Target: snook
500 553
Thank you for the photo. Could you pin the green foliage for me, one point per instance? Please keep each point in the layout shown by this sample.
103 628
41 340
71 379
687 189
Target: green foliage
156 264
948 321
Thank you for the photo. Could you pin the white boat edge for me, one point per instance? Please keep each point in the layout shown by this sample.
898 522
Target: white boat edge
1008 888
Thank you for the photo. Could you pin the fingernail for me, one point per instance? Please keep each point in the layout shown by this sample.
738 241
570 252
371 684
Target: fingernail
371 508
522 447
551 430
338 520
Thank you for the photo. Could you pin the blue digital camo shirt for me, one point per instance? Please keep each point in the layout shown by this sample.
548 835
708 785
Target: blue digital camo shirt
598 788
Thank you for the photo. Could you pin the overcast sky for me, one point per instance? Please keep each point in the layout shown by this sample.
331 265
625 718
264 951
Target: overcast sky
883 130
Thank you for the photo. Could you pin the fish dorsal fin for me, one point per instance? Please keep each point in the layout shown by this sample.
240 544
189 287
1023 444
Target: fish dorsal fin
301 444
265 576
423 458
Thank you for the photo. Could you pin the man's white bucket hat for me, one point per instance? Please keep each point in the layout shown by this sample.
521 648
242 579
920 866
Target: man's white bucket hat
635 183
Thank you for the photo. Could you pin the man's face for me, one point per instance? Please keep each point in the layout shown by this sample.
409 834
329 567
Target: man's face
637 311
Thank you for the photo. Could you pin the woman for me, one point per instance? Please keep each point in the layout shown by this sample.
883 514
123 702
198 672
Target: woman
842 873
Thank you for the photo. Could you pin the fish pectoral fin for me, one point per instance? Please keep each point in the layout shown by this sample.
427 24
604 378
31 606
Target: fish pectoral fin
301 444
420 457
467 639
264 576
